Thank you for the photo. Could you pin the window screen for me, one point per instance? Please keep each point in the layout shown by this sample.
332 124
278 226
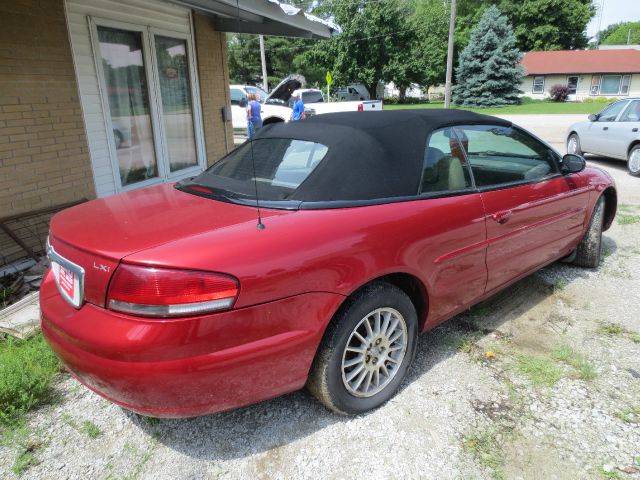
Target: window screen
500 155
445 167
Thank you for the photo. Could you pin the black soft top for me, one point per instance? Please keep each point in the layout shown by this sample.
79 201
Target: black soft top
371 155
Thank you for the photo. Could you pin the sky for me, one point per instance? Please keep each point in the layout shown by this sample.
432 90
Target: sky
614 11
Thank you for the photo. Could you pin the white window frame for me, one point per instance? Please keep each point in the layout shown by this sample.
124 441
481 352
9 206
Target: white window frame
540 86
148 34
577 83
597 87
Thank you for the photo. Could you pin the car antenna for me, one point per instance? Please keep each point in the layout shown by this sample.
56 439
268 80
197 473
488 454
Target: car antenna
260 226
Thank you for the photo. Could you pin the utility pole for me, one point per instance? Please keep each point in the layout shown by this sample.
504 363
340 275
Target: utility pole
452 28
265 83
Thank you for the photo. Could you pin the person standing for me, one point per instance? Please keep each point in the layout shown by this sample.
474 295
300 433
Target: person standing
254 118
298 107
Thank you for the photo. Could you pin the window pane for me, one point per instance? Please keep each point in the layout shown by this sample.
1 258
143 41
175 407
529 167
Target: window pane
501 155
632 114
280 166
572 85
236 96
624 89
126 82
610 113
610 84
445 167
175 90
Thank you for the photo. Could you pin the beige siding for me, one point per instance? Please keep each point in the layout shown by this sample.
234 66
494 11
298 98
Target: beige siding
584 86
157 14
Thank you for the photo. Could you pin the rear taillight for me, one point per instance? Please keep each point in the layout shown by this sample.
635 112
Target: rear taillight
360 107
163 292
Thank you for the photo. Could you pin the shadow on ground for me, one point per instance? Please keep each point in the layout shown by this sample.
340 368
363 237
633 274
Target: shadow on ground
258 428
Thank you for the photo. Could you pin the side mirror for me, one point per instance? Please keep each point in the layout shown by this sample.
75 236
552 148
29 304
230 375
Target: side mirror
593 117
572 163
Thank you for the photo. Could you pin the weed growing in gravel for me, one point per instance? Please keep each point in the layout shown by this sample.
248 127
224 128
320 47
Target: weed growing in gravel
609 328
465 343
26 457
629 415
610 474
624 219
27 368
635 337
484 446
564 353
559 284
541 371
90 428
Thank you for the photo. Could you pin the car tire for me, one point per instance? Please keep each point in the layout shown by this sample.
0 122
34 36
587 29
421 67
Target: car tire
633 161
336 376
573 143
588 251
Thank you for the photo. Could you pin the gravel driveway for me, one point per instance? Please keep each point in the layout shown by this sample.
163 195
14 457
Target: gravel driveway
540 382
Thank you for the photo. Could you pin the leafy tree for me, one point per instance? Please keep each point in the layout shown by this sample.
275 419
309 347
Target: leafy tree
549 24
372 46
243 58
489 71
430 24
624 31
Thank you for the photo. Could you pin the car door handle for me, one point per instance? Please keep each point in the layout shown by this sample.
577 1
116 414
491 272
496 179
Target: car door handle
634 129
605 128
502 217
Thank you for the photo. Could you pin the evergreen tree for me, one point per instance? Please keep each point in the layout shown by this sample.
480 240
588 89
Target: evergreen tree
489 71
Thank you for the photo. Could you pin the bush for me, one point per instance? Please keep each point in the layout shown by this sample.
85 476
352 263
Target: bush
27 368
559 93
395 100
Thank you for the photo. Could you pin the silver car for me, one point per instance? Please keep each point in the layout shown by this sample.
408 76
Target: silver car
614 132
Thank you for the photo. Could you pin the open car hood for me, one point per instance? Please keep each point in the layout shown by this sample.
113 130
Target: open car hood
282 93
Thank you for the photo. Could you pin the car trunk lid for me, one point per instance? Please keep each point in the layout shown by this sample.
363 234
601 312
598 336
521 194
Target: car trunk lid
95 236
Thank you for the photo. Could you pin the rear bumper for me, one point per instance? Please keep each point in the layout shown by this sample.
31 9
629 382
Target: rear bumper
192 366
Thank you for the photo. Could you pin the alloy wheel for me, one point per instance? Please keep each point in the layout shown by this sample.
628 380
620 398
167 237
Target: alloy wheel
374 352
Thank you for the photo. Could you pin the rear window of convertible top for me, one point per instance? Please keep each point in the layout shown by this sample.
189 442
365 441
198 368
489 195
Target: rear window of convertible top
280 166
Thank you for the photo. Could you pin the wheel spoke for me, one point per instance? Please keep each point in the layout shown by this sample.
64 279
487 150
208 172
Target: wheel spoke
353 361
367 325
363 341
376 377
393 326
396 336
367 382
393 349
393 360
385 325
356 350
383 367
376 325
354 373
360 379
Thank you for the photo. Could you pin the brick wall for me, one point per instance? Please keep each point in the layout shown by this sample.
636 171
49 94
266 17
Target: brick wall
44 157
213 76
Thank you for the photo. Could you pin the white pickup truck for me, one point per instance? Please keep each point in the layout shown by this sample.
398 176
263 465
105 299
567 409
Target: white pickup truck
276 106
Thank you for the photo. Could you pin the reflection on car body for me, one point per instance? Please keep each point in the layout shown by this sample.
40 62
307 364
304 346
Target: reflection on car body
373 228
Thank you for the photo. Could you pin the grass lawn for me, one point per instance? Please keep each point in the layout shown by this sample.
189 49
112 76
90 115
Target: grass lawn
534 107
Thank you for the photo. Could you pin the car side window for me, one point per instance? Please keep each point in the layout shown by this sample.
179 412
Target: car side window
445 166
632 113
610 113
237 96
500 155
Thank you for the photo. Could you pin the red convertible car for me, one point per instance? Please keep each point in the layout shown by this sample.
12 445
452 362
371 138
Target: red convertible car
312 255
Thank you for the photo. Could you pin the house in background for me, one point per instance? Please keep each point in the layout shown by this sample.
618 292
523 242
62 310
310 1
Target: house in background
104 96
587 73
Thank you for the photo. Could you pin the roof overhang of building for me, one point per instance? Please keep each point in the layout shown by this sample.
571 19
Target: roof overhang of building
267 17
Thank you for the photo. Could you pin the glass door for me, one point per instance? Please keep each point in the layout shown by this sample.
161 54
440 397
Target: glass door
147 84
175 94
125 82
